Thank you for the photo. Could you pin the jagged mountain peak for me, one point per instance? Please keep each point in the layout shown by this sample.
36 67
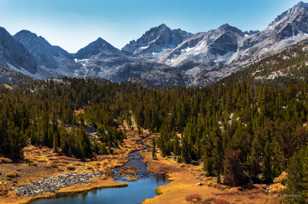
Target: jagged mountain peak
100 41
301 4
163 26
160 28
156 40
292 12
227 27
291 22
99 46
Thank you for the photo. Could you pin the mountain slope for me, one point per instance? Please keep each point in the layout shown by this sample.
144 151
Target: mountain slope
50 59
15 55
206 48
291 23
291 64
100 59
9 76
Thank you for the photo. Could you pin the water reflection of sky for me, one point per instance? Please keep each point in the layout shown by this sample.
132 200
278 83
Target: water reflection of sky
135 193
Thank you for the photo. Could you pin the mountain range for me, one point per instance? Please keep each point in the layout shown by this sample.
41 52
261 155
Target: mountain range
161 57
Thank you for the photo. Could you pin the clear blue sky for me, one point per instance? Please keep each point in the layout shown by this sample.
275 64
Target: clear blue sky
72 24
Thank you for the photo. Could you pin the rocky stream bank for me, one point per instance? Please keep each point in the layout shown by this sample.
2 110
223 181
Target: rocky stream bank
53 184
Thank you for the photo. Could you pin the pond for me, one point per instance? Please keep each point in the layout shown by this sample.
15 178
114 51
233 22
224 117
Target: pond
136 192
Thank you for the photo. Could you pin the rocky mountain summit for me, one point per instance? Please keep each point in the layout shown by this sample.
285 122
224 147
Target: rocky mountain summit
290 23
155 41
98 47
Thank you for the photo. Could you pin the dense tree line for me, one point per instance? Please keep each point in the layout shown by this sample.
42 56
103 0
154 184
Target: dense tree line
258 126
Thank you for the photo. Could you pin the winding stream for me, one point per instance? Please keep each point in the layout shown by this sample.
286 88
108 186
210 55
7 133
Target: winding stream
136 192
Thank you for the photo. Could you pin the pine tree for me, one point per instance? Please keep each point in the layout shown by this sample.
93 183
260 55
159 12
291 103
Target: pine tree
219 156
297 185
233 169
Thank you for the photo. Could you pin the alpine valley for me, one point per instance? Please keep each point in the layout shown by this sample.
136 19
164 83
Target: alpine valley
174 117
161 57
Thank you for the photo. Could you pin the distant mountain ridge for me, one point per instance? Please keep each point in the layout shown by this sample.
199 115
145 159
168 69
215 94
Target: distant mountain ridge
161 56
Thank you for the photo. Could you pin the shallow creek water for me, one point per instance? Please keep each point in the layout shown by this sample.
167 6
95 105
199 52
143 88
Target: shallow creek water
136 192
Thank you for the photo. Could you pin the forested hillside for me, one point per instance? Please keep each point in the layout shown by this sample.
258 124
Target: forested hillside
291 64
46 113
243 131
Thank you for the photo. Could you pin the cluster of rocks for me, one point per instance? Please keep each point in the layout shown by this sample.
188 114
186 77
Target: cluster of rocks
52 184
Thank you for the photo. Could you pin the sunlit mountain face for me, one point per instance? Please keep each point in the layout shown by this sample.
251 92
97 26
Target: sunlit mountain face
162 56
